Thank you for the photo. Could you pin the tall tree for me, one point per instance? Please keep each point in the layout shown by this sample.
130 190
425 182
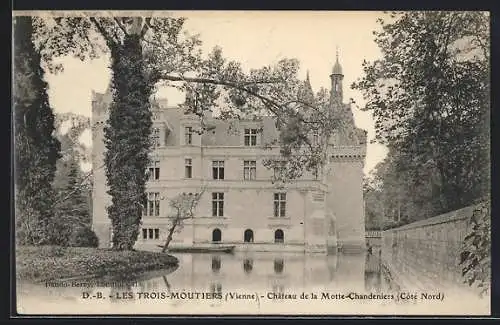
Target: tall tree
150 51
36 149
429 94
73 212
128 139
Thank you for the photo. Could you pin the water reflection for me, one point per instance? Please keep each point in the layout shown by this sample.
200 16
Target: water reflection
268 271
242 273
216 264
216 288
262 274
248 265
373 273
279 264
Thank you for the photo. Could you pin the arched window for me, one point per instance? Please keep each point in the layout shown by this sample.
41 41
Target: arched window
216 235
247 265
248 236
279 236
279 264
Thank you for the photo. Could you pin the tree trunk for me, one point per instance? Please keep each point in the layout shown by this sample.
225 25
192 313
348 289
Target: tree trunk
127 140
170 235
36 150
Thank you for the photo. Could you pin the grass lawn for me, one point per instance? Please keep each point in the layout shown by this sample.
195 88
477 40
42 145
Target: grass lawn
54 262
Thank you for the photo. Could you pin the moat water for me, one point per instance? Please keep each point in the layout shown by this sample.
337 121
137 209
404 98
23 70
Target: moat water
256 283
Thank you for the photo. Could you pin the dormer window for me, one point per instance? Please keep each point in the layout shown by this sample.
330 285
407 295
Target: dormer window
250 137
188 135
315 138
156 138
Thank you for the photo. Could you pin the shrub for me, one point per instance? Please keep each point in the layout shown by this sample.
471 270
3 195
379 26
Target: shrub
60 230
84 237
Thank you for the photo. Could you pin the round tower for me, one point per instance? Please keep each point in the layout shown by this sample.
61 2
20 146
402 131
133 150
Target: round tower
346 158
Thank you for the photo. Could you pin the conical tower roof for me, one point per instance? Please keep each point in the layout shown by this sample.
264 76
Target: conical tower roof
337 68
306 93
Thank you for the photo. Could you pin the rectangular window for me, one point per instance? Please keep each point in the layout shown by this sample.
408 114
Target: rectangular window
188 133
218 204
150 233
280 170
188 168
154 171
316 172
249 169
315 138
218 169
156 137
153 205
157 204
250 137
279 204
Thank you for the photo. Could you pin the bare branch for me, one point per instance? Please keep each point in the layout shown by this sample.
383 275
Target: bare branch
84 180
109 40
119 23
146 26
234 85
67 196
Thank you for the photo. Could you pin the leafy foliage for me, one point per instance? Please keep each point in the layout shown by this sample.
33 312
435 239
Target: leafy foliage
72 206
72 185
45 263
70 137
429 95
84 237
57 35
127 140
475 256
36 149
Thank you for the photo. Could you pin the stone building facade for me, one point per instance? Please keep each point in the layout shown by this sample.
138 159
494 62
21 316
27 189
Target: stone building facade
240 204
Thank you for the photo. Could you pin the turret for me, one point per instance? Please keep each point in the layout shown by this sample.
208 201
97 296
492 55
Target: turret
336 78
306 94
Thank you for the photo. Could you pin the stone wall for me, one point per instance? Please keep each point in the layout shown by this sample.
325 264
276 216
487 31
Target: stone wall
426 253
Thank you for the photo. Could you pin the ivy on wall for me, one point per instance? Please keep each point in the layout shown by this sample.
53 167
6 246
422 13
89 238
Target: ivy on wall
475 255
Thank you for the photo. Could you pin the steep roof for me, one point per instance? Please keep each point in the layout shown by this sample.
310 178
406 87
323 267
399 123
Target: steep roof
337 68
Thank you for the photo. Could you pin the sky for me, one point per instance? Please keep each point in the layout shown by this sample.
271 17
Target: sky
255 39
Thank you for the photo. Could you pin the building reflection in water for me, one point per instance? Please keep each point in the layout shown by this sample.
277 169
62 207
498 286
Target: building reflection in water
247 274
266 272
248 265
216 288
216 263
279 264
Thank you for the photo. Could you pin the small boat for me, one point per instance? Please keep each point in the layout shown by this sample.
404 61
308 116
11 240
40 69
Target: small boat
201 249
